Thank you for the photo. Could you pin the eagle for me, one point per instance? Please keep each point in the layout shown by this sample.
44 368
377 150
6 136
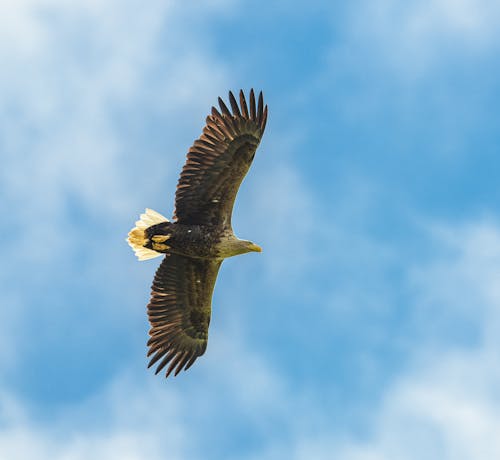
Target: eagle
200 235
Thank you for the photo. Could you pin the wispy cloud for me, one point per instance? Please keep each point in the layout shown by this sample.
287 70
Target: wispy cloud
414 37
76 99
445 405
125 424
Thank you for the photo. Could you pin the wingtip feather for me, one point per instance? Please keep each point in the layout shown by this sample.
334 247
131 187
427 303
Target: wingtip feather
260 108
252 104
234 105
224 108
243 104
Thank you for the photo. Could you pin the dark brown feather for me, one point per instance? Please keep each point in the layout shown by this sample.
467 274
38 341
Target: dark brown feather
224 108
252 105
179 311
243 104
234 105
218 161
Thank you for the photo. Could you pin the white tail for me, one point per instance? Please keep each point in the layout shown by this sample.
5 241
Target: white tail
137 236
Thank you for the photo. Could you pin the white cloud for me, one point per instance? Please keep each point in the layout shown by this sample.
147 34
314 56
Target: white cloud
81 81
71 70
413 37
445 404
463 286
123 422
448 410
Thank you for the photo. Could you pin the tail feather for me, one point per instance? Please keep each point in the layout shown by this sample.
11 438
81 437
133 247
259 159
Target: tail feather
137 237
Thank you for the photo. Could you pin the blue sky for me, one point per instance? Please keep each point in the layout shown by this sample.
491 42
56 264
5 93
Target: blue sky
366 330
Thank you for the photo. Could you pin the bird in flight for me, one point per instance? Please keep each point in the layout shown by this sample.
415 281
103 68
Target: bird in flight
200 235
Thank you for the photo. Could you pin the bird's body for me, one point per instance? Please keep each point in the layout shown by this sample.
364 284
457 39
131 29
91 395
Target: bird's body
200 236
197 241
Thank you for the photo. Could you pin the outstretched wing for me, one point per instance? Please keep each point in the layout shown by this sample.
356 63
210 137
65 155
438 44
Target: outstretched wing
179 311
218 161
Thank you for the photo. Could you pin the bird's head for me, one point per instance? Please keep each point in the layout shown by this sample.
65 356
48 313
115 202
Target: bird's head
232 246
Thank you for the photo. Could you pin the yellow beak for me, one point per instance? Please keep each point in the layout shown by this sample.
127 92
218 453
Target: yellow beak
254 247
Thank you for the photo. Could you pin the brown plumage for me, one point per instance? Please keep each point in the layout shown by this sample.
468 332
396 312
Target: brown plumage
218 161
201 235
